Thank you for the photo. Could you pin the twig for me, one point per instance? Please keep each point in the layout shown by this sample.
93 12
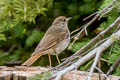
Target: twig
104 60
107 9
90 16
87 57
98 37
92 42
75 30
99 70
97 16
97 57
84 29
113 67
100 42
96 45
76 36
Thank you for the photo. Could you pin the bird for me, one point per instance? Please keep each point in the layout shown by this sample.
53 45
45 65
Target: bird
55 41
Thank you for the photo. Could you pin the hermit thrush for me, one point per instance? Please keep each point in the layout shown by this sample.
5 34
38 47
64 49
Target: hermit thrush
54 41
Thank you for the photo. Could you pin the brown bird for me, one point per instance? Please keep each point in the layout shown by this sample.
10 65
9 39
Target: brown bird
54 41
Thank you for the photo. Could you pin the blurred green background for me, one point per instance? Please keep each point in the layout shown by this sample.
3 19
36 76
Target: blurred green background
24 22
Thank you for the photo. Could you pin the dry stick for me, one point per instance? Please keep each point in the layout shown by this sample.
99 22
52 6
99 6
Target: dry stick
97 17
84 29
109 7
90 16
87 57
97 58
75 30
92 42
113 67
97 38
96 45
100 70
78 35
96 61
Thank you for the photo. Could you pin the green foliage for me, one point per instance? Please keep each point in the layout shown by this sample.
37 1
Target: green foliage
86 66
87 8
23 10
78 45
112 15
13 12
113 55
34 37
15 55
44 76
18 31
105 4
115 52
2 37
117 71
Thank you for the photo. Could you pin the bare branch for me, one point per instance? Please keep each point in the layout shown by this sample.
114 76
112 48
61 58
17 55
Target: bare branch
90 55
113 67
97 58
90 16
97 16
92 42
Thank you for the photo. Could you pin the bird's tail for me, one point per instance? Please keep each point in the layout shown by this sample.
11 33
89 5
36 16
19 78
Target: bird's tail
32 59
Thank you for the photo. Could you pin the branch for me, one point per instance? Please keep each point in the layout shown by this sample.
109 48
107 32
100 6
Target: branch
89 44
113 67
98 37
102 47
97 16
97 58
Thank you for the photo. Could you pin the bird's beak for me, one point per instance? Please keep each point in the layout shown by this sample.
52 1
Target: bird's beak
69 18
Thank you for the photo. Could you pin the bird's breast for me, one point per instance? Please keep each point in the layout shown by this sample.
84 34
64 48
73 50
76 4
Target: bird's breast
62 45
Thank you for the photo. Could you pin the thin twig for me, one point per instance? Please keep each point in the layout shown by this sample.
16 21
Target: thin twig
76 38
99 70
97 16
100 42
98 37
113 67
75 30
90 16
92 42
87 57
91 54
104 60
96 60
107 9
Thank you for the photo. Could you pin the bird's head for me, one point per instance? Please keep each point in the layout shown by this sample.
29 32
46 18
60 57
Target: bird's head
61 20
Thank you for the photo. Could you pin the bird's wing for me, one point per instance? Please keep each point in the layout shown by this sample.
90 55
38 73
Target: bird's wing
51 39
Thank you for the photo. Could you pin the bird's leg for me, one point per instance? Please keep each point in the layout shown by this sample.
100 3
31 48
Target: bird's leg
49 59
57 58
